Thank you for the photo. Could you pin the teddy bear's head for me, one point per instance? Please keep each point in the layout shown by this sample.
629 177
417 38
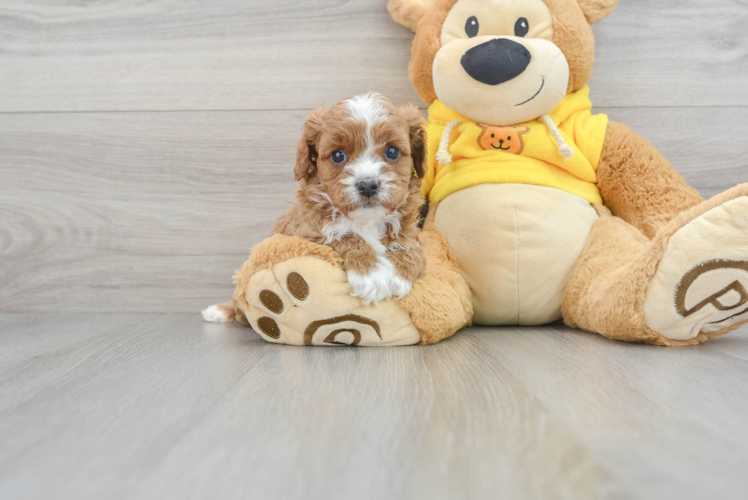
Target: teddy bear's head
500 61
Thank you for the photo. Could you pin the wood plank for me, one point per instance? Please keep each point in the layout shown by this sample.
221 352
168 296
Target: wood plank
296 54
170 407
153 212
176 408
645 412
686 136
672 53
137 212
24 336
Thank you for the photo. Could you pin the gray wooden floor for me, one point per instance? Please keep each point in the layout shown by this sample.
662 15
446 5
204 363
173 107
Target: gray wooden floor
165 406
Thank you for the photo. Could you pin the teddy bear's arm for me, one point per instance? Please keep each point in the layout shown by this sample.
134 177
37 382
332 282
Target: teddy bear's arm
638 184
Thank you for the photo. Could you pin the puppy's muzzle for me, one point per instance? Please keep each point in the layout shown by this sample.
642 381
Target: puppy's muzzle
496 61
368 187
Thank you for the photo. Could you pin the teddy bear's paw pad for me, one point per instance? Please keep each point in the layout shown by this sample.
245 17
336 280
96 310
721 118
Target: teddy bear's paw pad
305 301
701 284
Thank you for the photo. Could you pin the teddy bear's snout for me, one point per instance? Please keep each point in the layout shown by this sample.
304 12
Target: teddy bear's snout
496 61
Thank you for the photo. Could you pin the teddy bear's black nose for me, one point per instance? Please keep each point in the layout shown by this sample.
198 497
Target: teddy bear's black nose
496 61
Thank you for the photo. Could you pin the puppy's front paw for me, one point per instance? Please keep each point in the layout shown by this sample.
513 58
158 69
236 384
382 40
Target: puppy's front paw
382 282
399 287
372 287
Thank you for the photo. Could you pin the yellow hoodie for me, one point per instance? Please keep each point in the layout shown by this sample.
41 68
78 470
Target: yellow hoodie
483 154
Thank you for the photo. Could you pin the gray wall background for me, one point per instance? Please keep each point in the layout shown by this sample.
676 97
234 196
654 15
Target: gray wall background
145 146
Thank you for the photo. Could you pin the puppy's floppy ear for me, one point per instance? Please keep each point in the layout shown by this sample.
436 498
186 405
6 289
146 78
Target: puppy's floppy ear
408 12
306 153
417 138
597 10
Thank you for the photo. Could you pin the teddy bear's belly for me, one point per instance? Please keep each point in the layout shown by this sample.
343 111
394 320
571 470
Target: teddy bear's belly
517 246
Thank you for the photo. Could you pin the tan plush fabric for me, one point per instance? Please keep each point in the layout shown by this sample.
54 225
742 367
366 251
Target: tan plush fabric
439 303
572 34
275 250
425 46
608 292
638 184
293 291
530 239
660 265
408 12
327 314
714 250
597 10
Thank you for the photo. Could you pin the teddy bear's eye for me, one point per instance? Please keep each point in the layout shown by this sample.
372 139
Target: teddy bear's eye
521 27
509 138
472 26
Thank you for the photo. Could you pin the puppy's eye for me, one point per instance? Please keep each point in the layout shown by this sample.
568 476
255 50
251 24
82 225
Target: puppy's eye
472 26
521 27
392 153
338 156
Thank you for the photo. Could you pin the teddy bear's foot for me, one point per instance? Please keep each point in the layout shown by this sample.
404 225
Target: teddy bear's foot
701 284
292 291
305 301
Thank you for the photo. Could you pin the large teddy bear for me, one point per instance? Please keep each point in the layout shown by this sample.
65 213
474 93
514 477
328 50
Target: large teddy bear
553 212
539 210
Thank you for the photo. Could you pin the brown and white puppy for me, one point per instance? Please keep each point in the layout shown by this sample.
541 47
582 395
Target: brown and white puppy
360 164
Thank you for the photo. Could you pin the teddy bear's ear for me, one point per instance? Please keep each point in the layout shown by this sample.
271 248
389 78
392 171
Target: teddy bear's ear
408 12
597 10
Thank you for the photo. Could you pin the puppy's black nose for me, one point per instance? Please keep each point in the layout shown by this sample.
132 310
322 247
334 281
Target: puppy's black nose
368 187
496 61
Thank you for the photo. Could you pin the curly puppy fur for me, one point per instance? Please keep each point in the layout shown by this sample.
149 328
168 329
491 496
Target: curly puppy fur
376 235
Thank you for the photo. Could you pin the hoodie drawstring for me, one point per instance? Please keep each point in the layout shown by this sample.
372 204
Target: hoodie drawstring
563 149
443 156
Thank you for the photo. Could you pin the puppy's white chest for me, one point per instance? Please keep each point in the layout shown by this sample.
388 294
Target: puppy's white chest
370 224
